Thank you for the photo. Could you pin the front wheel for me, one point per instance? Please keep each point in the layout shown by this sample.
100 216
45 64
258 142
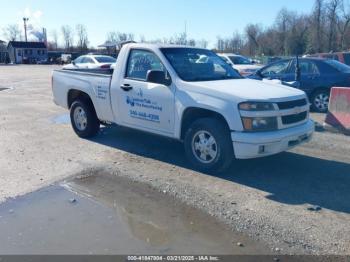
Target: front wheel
320 101
83 118
208 145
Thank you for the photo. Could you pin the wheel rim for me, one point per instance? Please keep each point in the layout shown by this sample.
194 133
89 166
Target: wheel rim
321 101
204 147
80 118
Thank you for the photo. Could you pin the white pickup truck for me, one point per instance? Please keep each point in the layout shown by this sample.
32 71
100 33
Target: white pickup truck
168 90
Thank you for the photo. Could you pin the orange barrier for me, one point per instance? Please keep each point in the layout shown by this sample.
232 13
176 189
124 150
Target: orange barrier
339 109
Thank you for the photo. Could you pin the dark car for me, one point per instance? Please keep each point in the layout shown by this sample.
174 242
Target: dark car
342 57
318 76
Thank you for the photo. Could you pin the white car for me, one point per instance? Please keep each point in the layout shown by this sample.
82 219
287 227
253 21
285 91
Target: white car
91 62
206 104
242 64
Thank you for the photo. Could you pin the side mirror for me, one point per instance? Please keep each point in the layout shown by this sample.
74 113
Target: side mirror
158 77
73 62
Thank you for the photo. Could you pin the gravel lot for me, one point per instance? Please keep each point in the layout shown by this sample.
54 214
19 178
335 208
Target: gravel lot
268 199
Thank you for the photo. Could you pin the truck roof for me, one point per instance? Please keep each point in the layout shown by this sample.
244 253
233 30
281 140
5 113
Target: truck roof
157 46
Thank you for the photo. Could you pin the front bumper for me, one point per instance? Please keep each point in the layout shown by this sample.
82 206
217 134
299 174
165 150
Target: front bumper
254 145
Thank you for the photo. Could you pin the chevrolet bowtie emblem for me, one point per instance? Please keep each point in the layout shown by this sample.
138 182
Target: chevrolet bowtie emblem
297 110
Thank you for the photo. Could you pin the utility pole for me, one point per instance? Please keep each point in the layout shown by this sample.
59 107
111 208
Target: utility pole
25 20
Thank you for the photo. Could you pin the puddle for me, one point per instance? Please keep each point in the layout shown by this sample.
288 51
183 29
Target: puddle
109 215
63 119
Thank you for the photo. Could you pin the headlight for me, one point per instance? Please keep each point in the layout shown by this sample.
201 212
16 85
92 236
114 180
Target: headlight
259 123
256 106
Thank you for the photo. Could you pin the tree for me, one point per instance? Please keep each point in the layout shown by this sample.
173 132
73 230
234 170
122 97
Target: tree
67 34
202 43
83 40
284 23
12 32
54 41
343 23
297 37
253 32
317 27
116 37
332 16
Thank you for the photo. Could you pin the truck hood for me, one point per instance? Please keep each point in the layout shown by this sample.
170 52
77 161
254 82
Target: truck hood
246 89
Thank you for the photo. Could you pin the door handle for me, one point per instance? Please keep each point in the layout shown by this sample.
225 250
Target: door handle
126 87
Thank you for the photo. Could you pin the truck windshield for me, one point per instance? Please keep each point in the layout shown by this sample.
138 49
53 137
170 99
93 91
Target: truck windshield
194 64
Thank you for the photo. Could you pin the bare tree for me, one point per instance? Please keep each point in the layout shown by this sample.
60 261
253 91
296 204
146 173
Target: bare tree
83 40
202 43
67 34
54 37
317 24
12 32
284 24
253 32
332 16
343 23
116 37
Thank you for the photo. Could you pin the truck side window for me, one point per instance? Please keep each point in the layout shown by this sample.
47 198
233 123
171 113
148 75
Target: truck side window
140 62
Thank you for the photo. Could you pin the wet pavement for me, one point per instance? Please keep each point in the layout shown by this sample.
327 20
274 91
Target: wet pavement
104 214
61 119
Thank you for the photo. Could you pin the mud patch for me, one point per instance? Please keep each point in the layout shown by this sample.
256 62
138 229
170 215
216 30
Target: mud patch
104 214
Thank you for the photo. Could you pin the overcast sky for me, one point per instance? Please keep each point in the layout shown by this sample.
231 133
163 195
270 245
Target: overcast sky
206 19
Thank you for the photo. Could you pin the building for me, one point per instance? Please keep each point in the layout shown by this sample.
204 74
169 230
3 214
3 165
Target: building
27 52
3 52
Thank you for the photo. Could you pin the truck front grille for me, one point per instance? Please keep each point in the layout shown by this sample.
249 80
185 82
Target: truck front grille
292 119
291 104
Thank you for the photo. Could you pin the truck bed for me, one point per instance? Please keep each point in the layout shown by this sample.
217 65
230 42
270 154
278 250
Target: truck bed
94 83
90 71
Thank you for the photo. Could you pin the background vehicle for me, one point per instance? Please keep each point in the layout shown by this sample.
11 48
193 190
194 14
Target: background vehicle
242 64
318 76
91 62
342 57
164 90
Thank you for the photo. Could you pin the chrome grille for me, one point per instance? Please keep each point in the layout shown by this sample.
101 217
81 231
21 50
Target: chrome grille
291 104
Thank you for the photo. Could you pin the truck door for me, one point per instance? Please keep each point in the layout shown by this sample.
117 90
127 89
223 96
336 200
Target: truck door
145 105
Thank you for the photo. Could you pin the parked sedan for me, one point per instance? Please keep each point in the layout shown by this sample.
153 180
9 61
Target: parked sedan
91 62
242 64
318 76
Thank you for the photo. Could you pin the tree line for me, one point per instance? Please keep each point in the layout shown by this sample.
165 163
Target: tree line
324 29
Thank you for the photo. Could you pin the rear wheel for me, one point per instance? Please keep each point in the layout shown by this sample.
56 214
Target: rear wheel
83 118
320 101
208 145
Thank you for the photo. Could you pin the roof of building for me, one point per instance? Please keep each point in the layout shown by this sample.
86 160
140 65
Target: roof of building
20 44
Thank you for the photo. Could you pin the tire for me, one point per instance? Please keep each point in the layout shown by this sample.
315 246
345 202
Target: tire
199 146
83 119
320 100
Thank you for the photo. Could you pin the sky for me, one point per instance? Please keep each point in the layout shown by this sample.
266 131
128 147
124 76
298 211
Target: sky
153 19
